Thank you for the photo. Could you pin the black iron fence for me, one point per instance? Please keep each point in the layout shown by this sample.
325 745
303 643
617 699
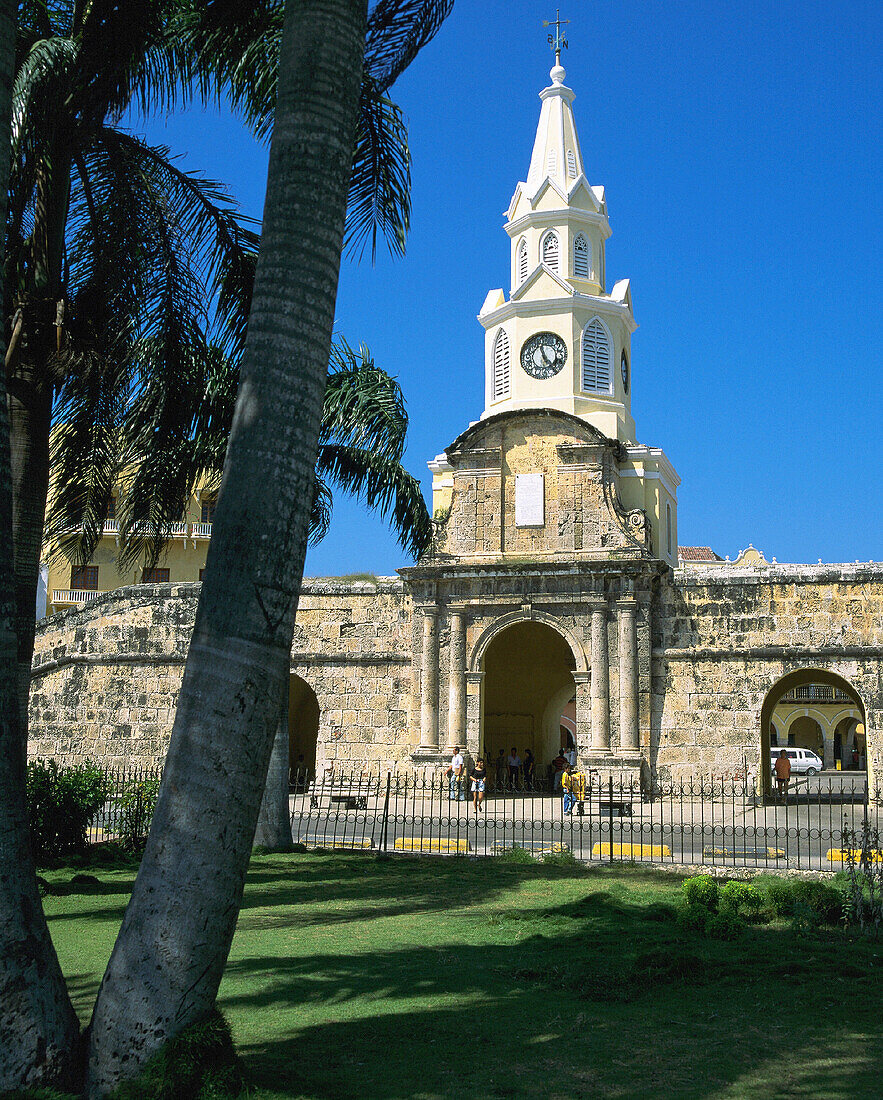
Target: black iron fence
714 821
130 796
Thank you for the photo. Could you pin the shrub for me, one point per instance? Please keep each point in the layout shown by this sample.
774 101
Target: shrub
724 926
741 899
693 918
135 808
701 891
61 805
810 901
515 854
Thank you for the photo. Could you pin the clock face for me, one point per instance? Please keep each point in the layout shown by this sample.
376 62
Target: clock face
543 355
624 370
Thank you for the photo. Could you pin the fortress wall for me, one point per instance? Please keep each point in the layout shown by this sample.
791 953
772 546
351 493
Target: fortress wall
724 636
106 676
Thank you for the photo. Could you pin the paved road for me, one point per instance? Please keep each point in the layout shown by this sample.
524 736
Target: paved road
797 834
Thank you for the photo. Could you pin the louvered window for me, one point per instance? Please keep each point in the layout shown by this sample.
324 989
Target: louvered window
501 365
551 162
581 266
597 369
571 164
522 262
668 527
550 251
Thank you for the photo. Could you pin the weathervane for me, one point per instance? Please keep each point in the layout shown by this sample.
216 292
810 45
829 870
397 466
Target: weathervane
557 41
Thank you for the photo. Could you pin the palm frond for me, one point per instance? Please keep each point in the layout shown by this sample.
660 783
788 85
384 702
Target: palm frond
364 406
320 511
379 199
382 484
397 31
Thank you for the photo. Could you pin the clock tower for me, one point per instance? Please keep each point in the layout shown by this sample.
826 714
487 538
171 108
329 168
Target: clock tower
560 341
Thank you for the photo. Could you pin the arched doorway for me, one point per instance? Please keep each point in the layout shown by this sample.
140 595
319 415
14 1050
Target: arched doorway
818 709
303 729
528 685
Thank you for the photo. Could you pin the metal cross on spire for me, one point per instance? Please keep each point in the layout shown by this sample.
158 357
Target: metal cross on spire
557 41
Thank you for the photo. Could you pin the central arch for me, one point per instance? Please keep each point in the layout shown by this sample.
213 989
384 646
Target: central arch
528 682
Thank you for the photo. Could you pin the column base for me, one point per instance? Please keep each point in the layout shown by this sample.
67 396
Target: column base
428 756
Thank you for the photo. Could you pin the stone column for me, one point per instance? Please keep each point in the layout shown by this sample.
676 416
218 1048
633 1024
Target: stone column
628 676
429 680
583 682
457 680
600 679
472 739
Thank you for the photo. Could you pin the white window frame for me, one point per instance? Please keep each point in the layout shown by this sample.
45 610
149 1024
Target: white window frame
522 262
551 236
501 366
582 357
588 272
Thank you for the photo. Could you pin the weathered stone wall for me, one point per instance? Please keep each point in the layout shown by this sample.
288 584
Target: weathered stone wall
723 637
107 676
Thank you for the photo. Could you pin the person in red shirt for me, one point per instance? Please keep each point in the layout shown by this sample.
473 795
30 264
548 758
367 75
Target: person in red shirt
782 769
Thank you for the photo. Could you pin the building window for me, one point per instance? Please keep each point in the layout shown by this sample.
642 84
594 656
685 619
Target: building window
208 510
668 527
596 346
84 578
154 576
550 251
571 164
522 261
581 266
201 573
501 365
551 162
111 512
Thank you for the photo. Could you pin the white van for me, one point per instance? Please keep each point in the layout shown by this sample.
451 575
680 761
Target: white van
803 761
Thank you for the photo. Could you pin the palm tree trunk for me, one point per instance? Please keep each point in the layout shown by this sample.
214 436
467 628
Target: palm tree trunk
168 960
274 820
38 1028
30 413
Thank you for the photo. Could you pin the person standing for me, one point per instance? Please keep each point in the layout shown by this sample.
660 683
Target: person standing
782 769
501 769
456 791
514 764
478 775
528 769
558 766
569 755
573 783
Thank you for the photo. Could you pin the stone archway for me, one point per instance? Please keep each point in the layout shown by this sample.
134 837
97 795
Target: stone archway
303 729
788 704
528 680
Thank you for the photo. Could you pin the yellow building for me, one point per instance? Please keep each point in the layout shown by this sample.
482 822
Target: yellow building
64 585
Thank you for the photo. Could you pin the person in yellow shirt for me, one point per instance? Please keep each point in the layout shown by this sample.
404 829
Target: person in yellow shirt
573 783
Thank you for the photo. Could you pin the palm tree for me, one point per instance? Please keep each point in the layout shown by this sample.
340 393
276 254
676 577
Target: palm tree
38 1028
187 895
113 251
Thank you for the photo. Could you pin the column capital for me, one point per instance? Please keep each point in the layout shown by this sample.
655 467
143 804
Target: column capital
474 677
457 608
582 677
427 608
627 603
597 603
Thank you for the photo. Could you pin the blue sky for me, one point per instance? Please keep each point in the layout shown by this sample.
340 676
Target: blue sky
740 147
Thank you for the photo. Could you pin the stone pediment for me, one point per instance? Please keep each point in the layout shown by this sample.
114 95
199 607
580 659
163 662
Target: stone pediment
537 482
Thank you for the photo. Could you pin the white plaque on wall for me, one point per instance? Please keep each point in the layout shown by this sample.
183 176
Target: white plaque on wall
530 510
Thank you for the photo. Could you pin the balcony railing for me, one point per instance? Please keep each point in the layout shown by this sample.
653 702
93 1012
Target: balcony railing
73 595
815 693
200 530
111 527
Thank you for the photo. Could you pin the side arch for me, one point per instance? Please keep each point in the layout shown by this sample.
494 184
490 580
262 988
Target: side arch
476 658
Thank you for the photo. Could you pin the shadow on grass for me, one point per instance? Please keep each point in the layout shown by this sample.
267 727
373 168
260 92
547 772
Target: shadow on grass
600 996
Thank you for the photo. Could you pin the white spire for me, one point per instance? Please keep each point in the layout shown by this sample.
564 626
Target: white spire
556 152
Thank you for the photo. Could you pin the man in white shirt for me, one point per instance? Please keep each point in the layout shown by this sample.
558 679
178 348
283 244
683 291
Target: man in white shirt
570 757
457 787
514 763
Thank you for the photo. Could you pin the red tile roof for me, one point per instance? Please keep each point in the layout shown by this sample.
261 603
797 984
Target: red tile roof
697 553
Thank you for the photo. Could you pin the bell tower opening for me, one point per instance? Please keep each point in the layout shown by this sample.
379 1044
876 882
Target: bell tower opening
528 687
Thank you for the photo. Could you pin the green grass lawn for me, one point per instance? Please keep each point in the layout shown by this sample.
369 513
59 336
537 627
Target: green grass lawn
443 977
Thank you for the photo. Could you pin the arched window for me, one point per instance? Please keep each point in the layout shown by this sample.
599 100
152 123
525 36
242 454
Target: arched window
597 366
582 267
668 527
550 251
522 261
571 164
501 365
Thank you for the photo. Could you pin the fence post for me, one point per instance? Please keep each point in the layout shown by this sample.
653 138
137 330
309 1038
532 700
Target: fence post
385 821
610 811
